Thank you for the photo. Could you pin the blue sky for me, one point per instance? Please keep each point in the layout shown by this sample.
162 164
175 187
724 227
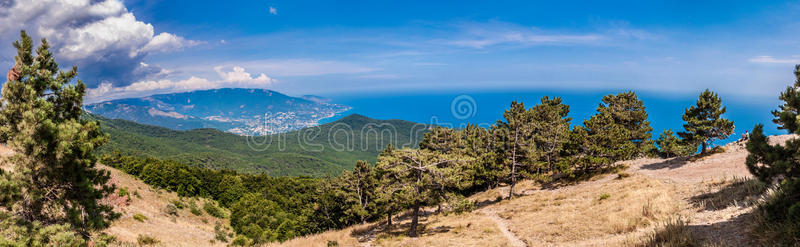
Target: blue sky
738 48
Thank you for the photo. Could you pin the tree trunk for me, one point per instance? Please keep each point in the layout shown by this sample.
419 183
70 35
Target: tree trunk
702 151
389 219
414 221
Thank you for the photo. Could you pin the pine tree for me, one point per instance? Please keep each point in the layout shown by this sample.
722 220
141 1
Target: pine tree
516 147
551 130
53 162
442 139
704 121
672 146
420 178
768 162
779 165
628 111
618 131
358 187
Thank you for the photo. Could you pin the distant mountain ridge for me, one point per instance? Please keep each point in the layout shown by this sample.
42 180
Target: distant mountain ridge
235 110
318 151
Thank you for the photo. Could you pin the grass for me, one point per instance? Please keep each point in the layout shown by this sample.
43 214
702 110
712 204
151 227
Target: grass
741 192
563 216
674 233
139 217
146 240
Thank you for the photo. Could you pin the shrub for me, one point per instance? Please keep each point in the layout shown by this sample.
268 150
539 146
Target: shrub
178 204
220 233
194 209
123 192
212 209
333 243
675 233
241 240
146 240
170 209
604 196
139 217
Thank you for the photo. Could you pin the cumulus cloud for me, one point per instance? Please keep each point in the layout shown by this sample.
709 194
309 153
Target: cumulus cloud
770 59
237 77
102 37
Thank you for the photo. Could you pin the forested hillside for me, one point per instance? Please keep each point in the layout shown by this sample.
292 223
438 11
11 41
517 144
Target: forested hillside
317 151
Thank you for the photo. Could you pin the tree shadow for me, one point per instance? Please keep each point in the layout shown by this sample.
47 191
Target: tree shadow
677 162
741 192
732 232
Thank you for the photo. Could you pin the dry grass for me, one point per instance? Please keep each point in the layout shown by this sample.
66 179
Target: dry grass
601 212
342 237
185 229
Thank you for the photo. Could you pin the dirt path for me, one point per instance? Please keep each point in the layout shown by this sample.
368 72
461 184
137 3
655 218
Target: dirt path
501 223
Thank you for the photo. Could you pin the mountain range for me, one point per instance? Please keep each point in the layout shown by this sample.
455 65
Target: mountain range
236 110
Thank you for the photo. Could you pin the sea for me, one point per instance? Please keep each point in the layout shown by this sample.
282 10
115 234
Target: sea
484 108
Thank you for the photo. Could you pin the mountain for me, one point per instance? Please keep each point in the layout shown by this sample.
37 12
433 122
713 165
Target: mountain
316 151
235 110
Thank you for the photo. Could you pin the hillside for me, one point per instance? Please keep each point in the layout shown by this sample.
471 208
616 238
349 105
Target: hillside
704 199
327 149
134 199
235 110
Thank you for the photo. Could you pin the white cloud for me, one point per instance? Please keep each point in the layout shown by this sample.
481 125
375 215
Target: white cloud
236 78
273 10
770 59
165 42
238 75
102 35
497 33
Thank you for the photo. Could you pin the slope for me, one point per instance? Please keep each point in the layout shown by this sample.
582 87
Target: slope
712 194
316 151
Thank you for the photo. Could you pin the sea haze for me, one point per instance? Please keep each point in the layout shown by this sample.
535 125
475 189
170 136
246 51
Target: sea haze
664 111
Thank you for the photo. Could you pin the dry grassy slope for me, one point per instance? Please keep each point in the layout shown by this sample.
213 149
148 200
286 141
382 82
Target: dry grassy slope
184 230
607 211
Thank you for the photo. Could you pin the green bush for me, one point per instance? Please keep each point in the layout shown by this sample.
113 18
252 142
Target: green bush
604 196
123 192
194 209
220 233
178 204
146 240
241 240
139 217
212 209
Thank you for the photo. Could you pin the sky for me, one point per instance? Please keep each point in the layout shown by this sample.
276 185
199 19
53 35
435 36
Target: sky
743 49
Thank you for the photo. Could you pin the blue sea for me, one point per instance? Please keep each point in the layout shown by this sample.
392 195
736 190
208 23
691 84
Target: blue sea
456 109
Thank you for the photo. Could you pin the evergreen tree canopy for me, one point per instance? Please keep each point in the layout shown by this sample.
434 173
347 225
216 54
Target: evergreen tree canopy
516 149
420 177
672 146
704 121
618 131
551 130
768 162
53 164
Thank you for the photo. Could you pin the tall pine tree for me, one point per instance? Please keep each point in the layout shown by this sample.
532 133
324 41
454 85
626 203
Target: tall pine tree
704 121
419 177
516 147
53 162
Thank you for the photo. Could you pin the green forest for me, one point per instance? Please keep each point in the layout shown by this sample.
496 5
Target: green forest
307 152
